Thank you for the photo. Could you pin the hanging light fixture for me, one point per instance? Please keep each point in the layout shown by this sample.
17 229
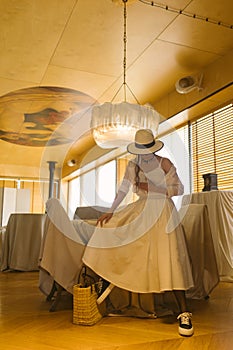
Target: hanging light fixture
114 124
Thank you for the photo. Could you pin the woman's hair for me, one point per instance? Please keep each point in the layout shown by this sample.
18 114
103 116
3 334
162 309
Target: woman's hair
137 169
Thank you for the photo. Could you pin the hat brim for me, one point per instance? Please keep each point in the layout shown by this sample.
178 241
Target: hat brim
132 148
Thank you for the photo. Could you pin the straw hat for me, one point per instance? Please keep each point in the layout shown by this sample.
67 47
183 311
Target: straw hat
145 143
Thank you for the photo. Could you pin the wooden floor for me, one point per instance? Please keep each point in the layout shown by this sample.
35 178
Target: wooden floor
26 323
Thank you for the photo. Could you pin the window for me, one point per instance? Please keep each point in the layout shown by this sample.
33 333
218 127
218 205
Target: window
39 190
74 196
177 150
106 184
95 187
212 148
87 189
121 167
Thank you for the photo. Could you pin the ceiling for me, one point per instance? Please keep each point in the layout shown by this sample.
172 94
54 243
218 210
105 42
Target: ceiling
59 57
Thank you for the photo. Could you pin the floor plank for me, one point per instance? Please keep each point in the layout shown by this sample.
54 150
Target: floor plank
26 323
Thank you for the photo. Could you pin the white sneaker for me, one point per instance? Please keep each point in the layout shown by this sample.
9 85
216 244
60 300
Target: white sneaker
185 324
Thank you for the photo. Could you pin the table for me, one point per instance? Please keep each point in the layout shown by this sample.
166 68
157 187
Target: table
2 232
196 224
22 242
61 262
220 209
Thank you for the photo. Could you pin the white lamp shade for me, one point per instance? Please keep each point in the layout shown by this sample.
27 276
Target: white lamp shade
114 125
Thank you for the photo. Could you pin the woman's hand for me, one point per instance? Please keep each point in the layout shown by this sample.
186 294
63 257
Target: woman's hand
149 186
103 219
143 186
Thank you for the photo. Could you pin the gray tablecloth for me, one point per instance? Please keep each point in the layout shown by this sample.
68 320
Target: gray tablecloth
220 209
195 220
22 242
61 256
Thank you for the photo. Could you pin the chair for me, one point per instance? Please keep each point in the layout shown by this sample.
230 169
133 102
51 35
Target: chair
86 213
47 284
195 221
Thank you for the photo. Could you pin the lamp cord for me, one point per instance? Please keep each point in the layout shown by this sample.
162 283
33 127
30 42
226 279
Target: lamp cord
125 47
124 84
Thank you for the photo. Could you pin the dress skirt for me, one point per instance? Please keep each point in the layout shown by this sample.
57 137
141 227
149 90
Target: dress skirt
141 249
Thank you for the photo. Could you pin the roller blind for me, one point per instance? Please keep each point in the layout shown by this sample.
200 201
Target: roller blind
212 148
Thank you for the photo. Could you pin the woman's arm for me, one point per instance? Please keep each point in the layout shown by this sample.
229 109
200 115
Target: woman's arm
122 192
103 219
174 185
149 186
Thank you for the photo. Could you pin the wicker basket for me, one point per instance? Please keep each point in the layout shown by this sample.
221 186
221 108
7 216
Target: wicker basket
85 310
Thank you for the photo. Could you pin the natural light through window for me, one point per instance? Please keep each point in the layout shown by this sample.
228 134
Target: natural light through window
106 184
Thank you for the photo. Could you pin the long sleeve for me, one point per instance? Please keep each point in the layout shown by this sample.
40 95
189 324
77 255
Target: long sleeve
128 179
173 183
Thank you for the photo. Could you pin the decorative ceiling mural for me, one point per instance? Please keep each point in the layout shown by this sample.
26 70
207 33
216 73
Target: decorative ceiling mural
30 116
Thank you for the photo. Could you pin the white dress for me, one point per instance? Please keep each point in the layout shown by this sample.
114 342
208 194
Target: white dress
142 248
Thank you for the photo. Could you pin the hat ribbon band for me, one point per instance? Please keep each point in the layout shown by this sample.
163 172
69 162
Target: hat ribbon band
147 145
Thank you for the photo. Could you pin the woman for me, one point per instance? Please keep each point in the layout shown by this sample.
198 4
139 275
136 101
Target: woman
142 248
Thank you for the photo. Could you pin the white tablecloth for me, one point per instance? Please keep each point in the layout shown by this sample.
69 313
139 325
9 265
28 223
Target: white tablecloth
220 209
22 242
